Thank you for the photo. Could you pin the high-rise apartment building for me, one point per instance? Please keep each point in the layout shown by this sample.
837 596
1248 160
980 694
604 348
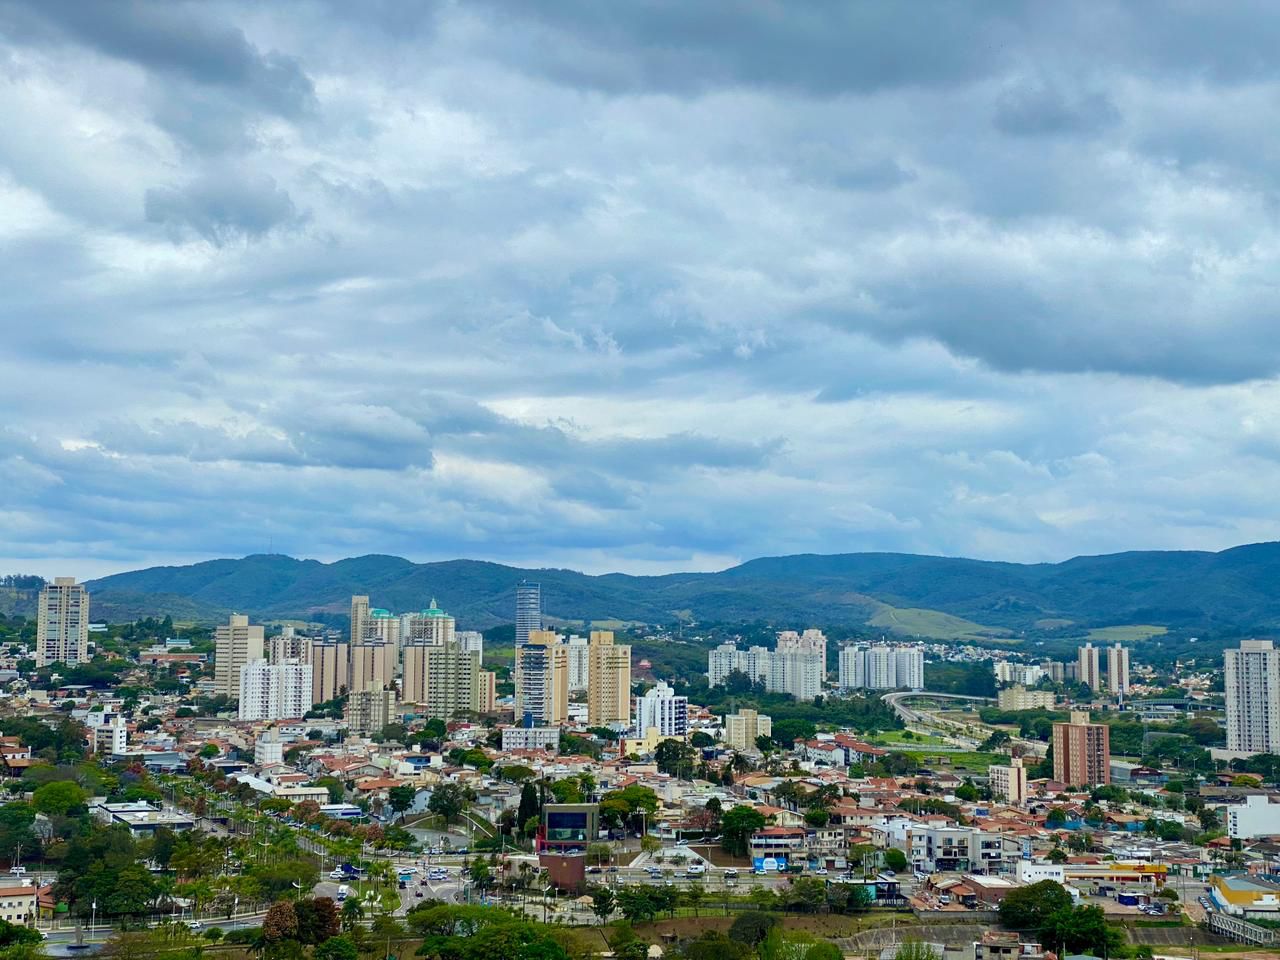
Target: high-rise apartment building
234 644
609 690
275 691
1252 689
528 610
330 669
62 623
1087 667
442 678
1009 782
542 680
742 728
1117 670
882 667
373 663
472 641
359 617
431 625
369 710
488 695
797 666
797 671
660 709
287 645
1081 752
578 650
1027 674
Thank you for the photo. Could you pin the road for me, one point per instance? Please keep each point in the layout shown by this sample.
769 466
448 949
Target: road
922 721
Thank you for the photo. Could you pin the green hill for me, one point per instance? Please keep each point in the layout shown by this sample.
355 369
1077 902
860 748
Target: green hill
941 596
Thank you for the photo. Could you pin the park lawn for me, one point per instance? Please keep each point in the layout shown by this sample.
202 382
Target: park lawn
903 738
971 762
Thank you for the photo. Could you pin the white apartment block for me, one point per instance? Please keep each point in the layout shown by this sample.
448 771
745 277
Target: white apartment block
797 668
542 680
1027 674
274 691
578 652
1252 682
660 709
1256 817
472 641
882 667
234 644
62 623
530 738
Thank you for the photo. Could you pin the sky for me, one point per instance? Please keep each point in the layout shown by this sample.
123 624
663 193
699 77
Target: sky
644 287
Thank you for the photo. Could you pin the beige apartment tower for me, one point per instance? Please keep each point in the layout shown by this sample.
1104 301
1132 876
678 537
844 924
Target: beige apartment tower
1081 752
542 681
373 663
608 681
444 679
330 669
488 702
742 728
1117 670
234 644
1087 666
368 711
359 618
1009 783
62 623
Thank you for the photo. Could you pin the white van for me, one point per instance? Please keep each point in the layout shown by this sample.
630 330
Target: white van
343 892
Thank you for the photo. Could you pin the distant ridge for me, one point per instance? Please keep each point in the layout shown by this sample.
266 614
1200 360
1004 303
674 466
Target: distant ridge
1233 590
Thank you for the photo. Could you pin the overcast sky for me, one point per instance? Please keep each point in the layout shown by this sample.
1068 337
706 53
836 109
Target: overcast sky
642 287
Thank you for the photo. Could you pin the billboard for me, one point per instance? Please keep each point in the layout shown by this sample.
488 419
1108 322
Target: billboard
769 864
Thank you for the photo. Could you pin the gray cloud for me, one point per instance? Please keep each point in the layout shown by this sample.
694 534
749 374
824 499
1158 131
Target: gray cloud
663 286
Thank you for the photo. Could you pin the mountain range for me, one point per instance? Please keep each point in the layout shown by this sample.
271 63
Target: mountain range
1231 591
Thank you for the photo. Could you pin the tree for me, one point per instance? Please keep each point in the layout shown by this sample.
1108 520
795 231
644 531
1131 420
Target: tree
1028 908
915 950
701 739
817 817
807 894
336 948
737 826
448 800
59 798
603 903
713 945
401 798
1081 928
318 920
280 922
636 904
693 896
674 758
1056 818
529 806
752 926
352 914
895 859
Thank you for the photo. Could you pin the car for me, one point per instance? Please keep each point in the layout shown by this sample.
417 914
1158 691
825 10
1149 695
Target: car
820 872
418 894
613 869
593 870
193 924
337 875
18 871
682 843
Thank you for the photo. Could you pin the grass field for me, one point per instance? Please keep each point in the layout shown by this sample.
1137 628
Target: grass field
970 762
1137 631
913 621
899 738
1052 623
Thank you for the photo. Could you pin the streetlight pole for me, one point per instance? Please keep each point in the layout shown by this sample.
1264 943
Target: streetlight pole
93 917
